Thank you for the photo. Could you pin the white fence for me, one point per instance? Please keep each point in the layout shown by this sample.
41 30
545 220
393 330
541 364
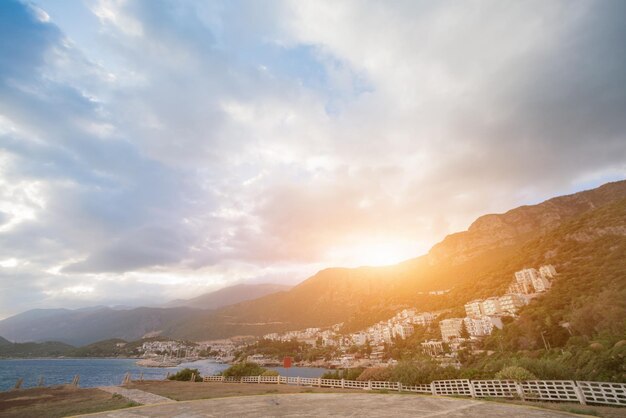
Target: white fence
540 390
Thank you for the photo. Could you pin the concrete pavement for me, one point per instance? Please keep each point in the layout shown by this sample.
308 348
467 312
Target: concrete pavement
136 395
334 404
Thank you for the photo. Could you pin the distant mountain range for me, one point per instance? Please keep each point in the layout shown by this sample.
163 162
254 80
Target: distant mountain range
87 325
565 231
229 296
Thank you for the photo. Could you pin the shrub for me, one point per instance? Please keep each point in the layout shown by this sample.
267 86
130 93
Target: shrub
244 369
515 373
375 373
184 375
269 373
348 374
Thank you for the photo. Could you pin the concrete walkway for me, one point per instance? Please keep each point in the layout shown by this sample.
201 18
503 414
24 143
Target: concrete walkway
136 395
334 404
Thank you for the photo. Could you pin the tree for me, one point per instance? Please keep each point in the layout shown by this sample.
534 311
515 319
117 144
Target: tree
184 375
244 369
464 333
515 373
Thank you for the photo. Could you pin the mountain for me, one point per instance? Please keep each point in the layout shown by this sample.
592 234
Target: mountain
583 235
521 224
473 264
26 350
230 295
79 327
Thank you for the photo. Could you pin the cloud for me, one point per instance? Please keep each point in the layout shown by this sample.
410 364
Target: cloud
148 144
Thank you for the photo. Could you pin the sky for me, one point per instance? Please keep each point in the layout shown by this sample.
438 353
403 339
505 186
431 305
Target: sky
154 150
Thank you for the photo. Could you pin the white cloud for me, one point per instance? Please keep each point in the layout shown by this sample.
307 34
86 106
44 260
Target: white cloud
178 147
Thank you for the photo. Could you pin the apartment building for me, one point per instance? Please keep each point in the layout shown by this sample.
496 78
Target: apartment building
548 271
450 328
491 306
474 308
511 302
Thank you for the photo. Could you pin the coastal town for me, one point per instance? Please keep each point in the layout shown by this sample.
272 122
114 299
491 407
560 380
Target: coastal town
370 347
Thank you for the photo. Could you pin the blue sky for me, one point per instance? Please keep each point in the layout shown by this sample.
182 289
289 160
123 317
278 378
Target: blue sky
152 150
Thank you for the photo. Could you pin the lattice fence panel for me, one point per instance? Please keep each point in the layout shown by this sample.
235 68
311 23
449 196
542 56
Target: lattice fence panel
418 388
385 385
550 390
213 379
604 392
495 388
355 384
331 383
309 381
453 387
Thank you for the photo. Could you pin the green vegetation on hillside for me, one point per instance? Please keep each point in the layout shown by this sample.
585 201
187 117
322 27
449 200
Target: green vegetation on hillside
26 350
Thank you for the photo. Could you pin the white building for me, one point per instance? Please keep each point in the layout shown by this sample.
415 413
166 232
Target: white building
359 338
548 271
491 306
403 330
511 302
479 327
541 284
424 319
474 308
432 347
524 280
450 328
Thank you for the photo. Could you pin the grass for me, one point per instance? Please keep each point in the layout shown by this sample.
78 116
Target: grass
58 401
186 391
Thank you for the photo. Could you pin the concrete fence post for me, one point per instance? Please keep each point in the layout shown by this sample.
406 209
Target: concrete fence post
520 390
278 380
19 382
343 384
319 381
399 386
433 389
299 381
471 388
141 377
75 380
579 394
258 379
369 385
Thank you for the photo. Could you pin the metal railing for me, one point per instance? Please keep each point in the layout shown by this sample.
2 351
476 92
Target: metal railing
603 393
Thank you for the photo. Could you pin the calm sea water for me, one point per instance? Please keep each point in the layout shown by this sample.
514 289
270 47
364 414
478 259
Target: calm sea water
105 372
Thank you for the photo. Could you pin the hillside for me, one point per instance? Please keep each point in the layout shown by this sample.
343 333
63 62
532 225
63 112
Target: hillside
27 350
521 224
79 327
582 234
229 295
364 295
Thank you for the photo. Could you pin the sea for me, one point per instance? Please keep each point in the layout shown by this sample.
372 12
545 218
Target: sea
95 372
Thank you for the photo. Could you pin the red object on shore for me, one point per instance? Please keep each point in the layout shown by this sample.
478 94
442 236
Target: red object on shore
287 362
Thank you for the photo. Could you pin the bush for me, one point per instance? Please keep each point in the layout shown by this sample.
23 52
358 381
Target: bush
420 372
184 375
244 369
375 373
348 374
515 373
269 373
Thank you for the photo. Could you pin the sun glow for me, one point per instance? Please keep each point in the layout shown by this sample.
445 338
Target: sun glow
375 253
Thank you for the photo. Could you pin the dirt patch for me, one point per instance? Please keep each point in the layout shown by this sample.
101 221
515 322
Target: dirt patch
58 401
186 391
